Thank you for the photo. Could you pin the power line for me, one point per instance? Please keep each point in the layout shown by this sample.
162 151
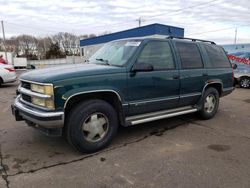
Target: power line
222 29
30 27
188 7
128 22
150 18
174 12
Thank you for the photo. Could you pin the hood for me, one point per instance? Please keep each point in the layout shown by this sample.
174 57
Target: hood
50 75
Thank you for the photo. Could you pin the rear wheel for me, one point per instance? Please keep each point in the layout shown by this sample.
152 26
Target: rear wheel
245 82
92 125
210 103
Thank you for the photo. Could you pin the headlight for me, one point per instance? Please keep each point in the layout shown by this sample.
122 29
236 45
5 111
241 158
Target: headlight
47 103
44 89
40 101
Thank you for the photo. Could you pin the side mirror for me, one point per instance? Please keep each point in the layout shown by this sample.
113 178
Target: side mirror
142 67
234 66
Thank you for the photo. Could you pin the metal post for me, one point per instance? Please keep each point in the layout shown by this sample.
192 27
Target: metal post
140 20
4 41
235 36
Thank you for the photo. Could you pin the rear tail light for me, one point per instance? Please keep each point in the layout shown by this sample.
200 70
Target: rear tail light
10 69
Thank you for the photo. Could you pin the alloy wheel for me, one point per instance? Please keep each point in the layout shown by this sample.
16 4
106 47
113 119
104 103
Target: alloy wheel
95 127
210 103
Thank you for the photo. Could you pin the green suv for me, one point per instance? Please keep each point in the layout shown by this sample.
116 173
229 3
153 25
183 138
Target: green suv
126 82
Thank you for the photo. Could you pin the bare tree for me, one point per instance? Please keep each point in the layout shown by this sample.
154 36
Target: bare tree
105 33
12 45
27 45
32 47
67 41
85 36
92 35
43 46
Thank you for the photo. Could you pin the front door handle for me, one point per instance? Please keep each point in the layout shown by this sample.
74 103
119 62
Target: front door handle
204 74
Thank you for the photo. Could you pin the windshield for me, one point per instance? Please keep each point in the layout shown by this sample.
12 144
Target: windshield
115 53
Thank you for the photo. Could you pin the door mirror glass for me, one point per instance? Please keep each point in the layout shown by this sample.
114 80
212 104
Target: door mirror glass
142 67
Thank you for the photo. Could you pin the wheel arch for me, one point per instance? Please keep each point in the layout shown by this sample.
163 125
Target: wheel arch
216 84
110 96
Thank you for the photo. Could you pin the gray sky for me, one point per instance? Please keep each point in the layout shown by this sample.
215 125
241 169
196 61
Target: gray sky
207 19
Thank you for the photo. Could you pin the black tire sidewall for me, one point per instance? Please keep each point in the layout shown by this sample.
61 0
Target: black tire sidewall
78 116
203 113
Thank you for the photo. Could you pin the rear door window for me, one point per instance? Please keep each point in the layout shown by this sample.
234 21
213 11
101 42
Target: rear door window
217 57
189 55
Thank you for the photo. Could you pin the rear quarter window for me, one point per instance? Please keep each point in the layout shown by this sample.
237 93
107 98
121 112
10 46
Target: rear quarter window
217 57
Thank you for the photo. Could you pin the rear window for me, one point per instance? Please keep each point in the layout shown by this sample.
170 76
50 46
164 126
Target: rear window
217 57
189 55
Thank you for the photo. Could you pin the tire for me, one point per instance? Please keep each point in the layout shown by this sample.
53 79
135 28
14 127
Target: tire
209 104
91 125
244 82
1 81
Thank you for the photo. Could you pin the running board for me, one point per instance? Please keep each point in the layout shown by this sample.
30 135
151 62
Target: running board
137 119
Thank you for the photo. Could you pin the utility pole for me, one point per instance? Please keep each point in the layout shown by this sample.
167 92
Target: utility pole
235 36
140 20
4 41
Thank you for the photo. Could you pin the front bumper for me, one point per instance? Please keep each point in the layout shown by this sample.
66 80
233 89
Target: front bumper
44 119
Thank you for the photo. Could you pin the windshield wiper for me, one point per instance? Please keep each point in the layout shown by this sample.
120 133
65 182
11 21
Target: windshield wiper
105 62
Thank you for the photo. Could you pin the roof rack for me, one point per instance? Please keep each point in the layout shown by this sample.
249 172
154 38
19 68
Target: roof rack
192 39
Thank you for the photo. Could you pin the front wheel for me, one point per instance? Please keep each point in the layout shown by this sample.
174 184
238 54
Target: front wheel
210 103
245 82
91 125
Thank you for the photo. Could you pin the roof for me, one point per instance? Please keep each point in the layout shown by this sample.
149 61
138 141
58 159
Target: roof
153 29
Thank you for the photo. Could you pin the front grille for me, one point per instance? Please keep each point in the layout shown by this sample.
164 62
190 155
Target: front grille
26 85
26 98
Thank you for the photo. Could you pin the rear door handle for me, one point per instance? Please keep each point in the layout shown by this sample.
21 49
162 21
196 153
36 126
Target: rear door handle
176 77
204 74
